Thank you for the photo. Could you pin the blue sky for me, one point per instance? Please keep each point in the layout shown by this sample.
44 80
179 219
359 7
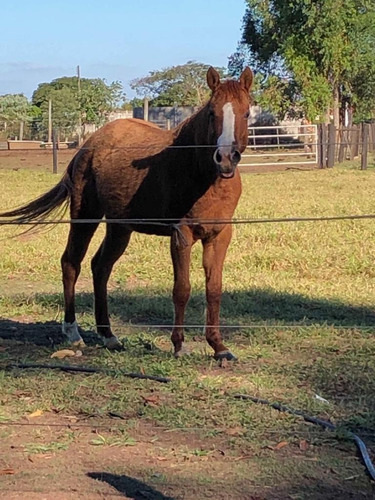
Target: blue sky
113 39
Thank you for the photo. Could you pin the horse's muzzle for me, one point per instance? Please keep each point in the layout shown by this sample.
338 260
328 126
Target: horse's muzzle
227 163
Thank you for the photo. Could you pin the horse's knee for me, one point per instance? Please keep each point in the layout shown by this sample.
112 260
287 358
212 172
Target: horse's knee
213 297
70 268
181 294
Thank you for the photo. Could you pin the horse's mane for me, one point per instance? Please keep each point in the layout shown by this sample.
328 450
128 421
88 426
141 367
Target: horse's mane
230 87
185 124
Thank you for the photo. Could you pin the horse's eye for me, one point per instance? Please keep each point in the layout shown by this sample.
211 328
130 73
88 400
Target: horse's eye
247 114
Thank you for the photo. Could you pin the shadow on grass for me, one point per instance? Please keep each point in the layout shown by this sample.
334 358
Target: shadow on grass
129 486
255 305
152 307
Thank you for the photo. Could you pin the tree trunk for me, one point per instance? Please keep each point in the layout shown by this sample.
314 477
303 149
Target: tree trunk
336 105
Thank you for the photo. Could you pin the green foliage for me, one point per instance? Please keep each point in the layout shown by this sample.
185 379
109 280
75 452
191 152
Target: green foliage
238 60
183 85
97 99
273 93
327 46
14 109
89 99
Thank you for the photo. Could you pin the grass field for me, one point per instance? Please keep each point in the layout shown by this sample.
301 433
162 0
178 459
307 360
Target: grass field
299 298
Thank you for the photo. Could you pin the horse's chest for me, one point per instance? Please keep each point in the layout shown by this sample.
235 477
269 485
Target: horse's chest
219 201
215 207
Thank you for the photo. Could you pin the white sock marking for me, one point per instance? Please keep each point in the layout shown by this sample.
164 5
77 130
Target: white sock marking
72 333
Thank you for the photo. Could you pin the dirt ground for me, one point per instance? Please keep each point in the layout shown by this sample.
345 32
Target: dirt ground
56 454
159 465
42 160
155 467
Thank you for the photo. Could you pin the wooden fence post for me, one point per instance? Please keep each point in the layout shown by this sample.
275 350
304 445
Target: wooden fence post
331 146
365 134
342 144
372 137
54 150
322 145
145 109
354 142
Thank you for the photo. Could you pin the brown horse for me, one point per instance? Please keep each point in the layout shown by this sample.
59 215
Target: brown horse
182 181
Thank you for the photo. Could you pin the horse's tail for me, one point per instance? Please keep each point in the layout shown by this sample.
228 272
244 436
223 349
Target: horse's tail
37 210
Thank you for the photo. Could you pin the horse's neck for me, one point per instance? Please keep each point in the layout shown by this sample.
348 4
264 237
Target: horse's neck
193 132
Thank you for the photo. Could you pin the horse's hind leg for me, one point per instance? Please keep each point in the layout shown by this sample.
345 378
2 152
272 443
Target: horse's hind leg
181 244
76 248
113 246
214 252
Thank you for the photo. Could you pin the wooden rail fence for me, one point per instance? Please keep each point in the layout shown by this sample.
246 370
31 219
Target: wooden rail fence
345 143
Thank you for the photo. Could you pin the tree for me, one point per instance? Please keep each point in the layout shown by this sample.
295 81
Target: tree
15 110
90 100
238 60
317 43
183 85
273 92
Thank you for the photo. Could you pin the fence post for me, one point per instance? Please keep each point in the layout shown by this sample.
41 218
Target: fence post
145 109
54 150
354 142
331 145
319 145
342 144
49 120
365 134
322 145
372 137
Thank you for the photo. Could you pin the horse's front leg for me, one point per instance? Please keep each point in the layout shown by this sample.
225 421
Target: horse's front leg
214 252
181 244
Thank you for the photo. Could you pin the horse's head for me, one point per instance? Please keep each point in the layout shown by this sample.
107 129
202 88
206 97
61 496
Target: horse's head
228 114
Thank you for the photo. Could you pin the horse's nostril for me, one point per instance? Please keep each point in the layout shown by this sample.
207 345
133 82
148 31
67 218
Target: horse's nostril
217 157
236 157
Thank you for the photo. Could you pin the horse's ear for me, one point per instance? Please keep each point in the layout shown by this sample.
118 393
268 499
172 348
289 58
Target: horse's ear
246 78
213 78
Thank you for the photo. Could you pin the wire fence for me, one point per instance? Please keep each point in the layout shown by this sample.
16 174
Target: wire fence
316 146
175 224
191 222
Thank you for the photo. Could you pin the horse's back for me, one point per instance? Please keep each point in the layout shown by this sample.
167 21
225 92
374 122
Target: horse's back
115 160
128 132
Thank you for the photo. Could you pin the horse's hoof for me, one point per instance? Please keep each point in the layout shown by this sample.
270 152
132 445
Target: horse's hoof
219 356
184 351
113 344
79 343
70 330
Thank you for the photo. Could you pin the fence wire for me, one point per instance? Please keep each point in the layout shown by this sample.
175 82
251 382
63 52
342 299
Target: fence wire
186 222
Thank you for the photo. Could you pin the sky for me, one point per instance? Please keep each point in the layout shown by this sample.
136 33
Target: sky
114 39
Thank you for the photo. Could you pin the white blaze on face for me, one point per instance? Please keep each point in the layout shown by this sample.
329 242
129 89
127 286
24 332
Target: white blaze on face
226 138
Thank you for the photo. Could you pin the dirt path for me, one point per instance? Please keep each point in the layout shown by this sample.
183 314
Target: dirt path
42 160
49 458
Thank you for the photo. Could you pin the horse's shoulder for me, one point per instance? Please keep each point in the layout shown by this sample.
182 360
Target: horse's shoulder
129 123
